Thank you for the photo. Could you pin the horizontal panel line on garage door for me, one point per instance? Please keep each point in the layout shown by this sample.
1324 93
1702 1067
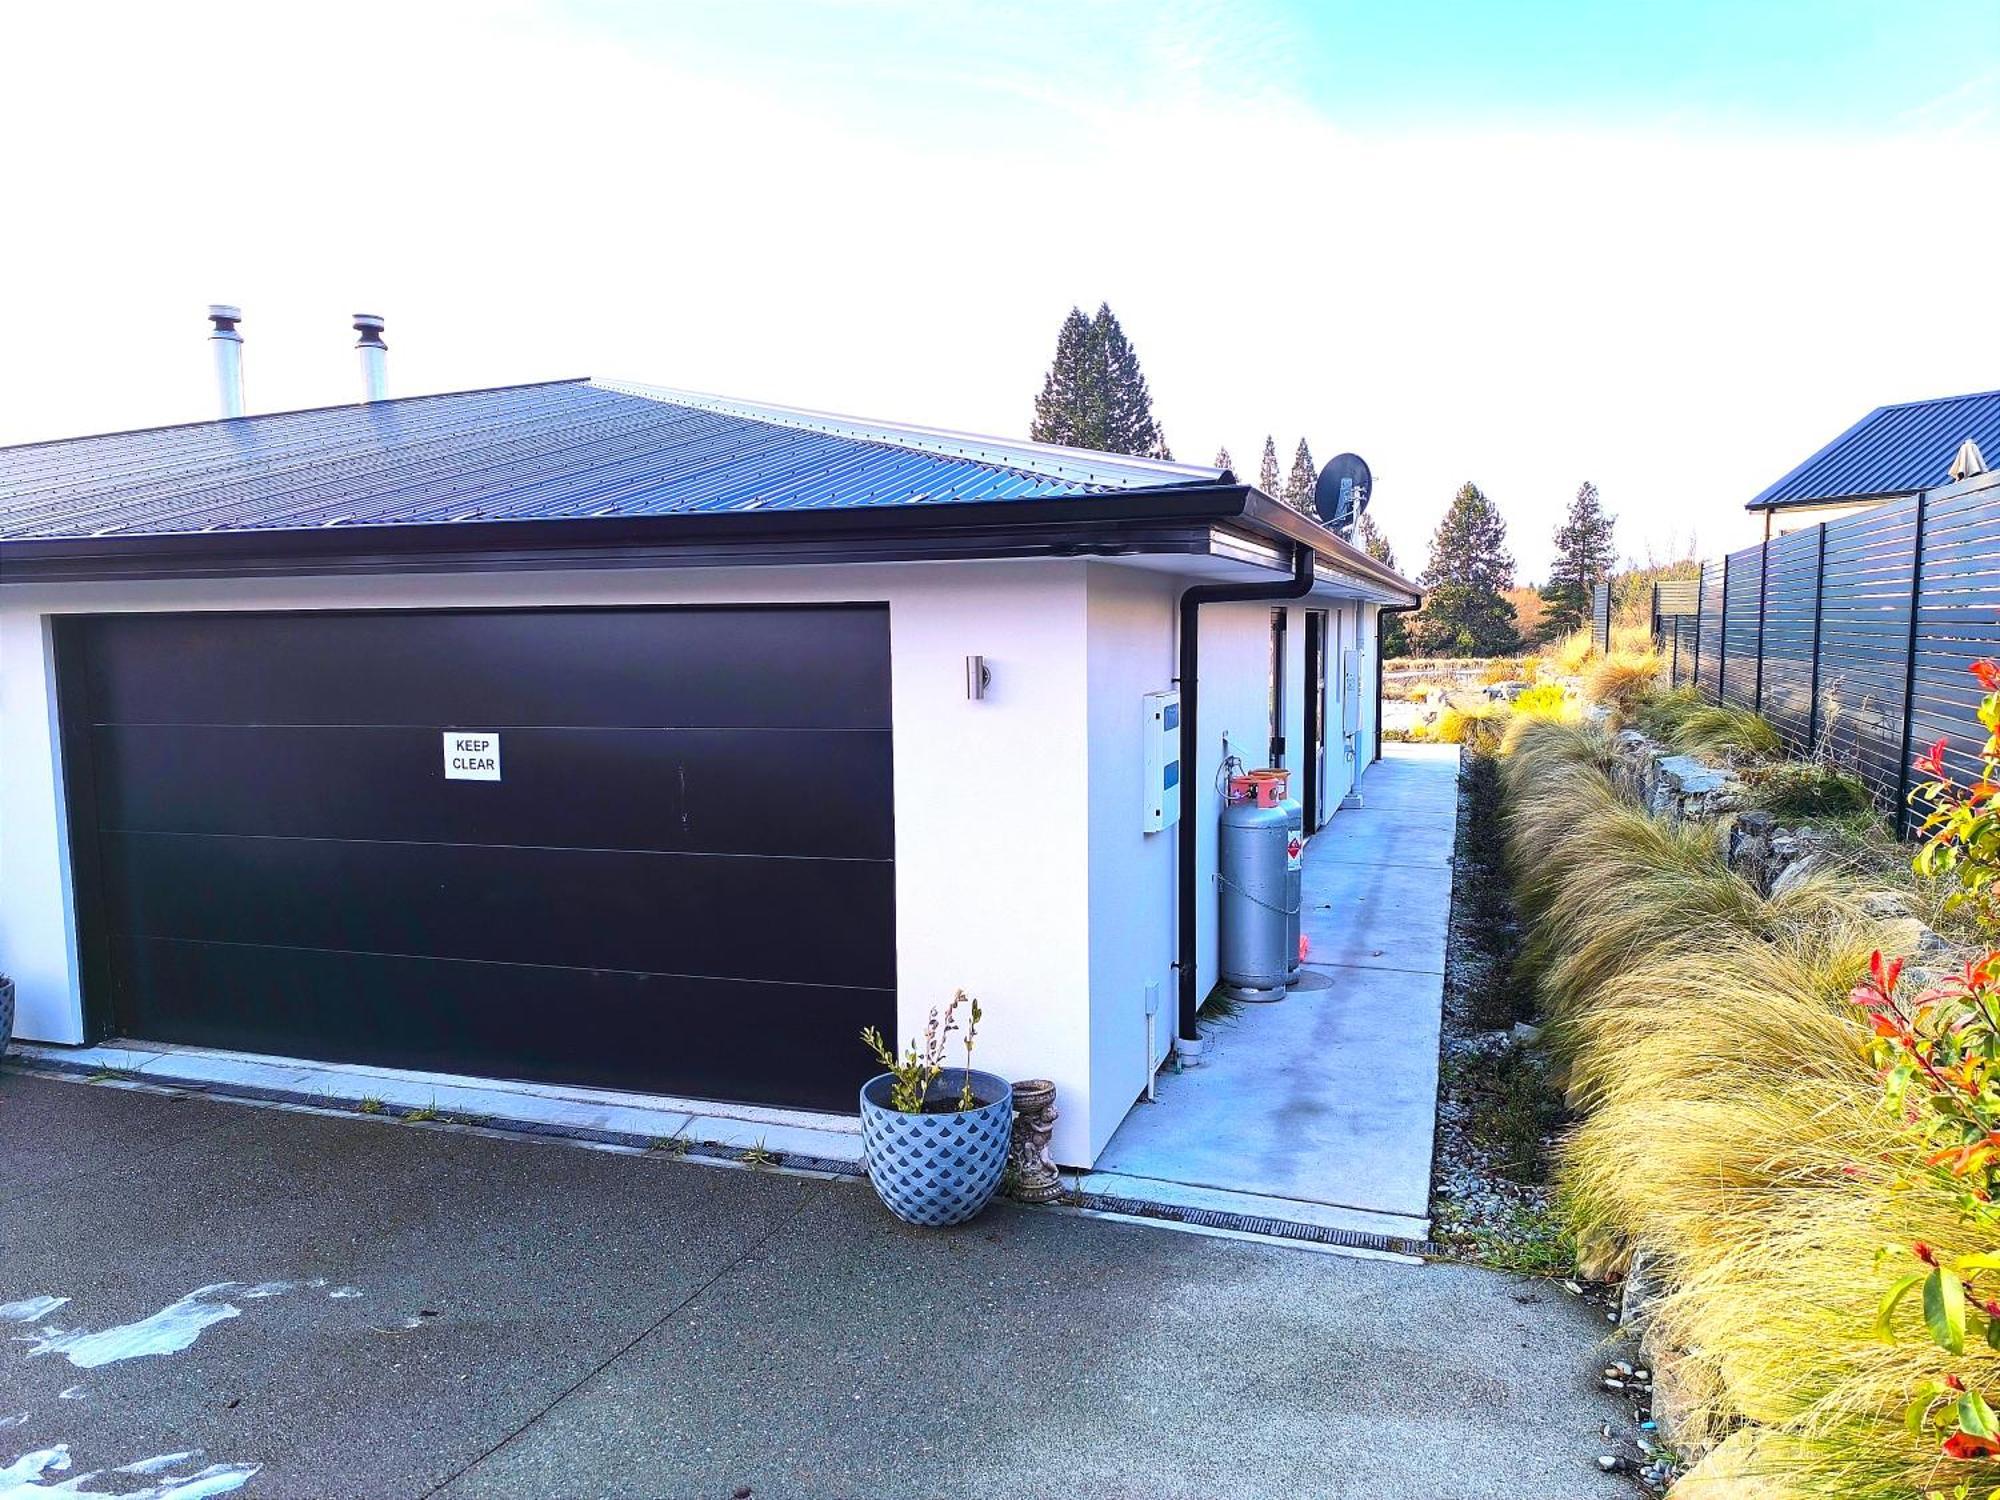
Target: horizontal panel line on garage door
510 963
310 838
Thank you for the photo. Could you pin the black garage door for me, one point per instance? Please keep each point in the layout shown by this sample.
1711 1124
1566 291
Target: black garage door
682 879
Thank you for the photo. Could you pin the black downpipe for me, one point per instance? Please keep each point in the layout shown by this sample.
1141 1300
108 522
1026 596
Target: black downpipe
1387 609
1296 587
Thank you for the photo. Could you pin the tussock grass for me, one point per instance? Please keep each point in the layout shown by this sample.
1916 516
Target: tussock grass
1795 791
1731 1122
1622 680
1659 714
1629 640
1573 652
1458 726
1715 729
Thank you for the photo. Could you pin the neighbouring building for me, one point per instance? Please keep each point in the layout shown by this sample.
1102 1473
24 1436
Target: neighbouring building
607 735
1890 454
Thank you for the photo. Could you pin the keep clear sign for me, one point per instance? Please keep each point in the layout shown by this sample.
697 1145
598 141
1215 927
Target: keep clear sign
471 755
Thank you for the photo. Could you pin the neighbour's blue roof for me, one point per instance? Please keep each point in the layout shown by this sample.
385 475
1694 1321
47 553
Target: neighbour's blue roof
571 449
1894 450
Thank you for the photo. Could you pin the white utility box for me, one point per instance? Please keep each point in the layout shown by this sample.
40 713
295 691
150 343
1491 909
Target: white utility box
1163 761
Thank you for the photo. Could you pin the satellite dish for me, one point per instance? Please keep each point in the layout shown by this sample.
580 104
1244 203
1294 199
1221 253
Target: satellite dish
1342 492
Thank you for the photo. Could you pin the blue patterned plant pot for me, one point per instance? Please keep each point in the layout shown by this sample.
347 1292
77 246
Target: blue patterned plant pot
940 1169
6 1013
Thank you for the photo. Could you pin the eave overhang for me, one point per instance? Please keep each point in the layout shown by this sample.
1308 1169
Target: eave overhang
1235 522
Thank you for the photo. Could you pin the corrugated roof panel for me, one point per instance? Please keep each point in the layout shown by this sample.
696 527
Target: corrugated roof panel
1894 450
570 449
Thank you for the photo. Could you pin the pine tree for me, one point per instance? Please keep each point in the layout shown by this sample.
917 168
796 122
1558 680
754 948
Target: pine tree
1128 422
1369 536
1223 460
1371 541
1584 559
1095 394
1465 611
1300 482
1267 471
1070 408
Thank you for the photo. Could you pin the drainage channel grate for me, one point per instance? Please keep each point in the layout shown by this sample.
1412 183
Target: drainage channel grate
1258 1224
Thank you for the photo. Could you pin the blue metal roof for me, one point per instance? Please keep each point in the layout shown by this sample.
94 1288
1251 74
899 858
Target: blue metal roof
1894 450
566 450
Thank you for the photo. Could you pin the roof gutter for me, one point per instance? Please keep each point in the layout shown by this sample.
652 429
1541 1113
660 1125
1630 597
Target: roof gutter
1304 559
1120 522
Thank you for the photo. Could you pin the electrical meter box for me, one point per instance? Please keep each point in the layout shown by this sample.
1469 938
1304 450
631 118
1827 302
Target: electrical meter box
1163 761
1350 691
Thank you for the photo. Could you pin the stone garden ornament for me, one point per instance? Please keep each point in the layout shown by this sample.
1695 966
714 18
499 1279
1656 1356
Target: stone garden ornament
1035 1178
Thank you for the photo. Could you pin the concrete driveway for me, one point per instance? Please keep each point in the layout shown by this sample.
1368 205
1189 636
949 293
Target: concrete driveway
280 1303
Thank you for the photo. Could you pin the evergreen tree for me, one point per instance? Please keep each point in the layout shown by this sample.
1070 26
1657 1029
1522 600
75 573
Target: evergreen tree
1369 536
1128 422
1095 394
1300 482
1465 610
1370 539
1267 471
1070 408
1223 460
1584 559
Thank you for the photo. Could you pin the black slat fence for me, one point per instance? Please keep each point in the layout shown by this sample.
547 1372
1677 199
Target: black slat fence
1853 636
1707 668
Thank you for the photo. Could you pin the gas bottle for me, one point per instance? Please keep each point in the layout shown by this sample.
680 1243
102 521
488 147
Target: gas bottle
1253 919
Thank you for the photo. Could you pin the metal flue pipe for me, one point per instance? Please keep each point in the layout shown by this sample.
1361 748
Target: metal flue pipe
227 344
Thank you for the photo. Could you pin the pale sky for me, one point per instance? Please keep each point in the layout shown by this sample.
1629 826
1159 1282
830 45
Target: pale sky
1669 247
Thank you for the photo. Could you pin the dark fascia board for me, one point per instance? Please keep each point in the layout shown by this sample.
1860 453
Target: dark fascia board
1174 519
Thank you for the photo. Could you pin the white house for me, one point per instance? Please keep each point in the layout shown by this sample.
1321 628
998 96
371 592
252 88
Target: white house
608 735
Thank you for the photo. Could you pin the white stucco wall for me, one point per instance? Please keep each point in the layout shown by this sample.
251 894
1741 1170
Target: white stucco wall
1132 653
37 946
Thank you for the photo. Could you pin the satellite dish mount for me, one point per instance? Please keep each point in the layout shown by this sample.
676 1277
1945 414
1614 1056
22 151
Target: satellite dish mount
1343 491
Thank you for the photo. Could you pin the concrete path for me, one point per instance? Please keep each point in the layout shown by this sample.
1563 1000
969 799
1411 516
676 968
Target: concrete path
347 1306
1322 1107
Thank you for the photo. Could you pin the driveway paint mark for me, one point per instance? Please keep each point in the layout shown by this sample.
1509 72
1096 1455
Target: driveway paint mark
216 1479
23 1478
168 1331
345 1291
279 1288
156 1465
29 1309
74 1393
14 1421
24 1475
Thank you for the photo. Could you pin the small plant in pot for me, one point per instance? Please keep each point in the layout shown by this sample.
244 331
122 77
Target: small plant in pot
936 1137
